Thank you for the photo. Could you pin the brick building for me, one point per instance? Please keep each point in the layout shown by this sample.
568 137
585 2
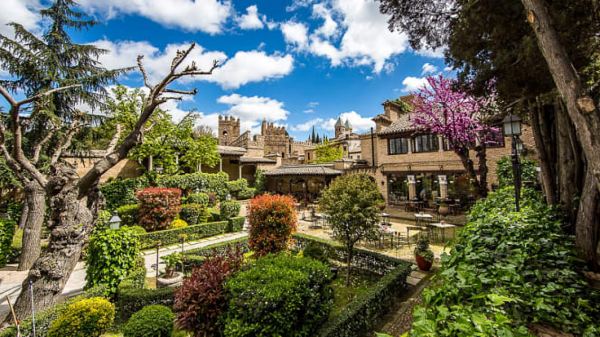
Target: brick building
409 164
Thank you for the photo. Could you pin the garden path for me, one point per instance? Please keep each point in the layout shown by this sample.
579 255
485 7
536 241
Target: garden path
11 280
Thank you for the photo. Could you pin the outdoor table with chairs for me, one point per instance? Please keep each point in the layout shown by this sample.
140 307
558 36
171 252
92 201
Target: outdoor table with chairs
442 226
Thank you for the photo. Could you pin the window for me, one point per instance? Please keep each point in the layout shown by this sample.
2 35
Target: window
426 143
398 145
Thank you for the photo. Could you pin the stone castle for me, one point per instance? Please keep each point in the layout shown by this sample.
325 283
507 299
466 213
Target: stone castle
272 141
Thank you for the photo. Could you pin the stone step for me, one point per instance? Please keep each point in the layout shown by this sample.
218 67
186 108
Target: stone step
413 281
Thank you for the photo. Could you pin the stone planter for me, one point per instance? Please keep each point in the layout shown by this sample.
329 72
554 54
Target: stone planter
443 210
175 281
423 264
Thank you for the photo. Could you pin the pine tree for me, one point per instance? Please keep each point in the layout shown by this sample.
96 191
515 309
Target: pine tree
40 64
313 137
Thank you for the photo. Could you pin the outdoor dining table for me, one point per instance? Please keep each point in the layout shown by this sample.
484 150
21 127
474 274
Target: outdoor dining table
385 218
442 226
421 217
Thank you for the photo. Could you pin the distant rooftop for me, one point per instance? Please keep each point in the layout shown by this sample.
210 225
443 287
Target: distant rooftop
309 170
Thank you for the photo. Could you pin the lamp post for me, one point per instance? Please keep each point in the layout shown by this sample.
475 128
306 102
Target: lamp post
512 127
114 222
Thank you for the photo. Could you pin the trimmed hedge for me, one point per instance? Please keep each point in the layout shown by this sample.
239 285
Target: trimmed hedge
152 321
236 224
194 214
198 182
7 231
131 300
128 214
119 192
198 198
362 314
171 236
195 257
230 209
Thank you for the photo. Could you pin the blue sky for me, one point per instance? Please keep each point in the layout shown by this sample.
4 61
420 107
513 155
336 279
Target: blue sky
294 62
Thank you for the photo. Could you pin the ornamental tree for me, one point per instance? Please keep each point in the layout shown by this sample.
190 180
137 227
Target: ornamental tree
272 220
327 152
352 203
443 109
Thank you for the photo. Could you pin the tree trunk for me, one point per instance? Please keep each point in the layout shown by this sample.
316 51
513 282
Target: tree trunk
24 214
580 106
483 170
71 221
543 155
34 212
349 264
588 222
463 154
568 165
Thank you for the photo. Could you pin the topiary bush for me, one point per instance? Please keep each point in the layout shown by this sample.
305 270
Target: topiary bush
128 214
272 220
247 193
7 231
236 224
200 301
119 192
152 321
178 223
215 183
194 213
86 318
111 255
158 207
236 186
279 295
197 198
229 209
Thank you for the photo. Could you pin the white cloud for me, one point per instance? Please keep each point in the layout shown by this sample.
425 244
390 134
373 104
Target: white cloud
432 53
412 83
251 66
365 39
308 125
24 12
297 4
207 16
250 20
358 122
448 68
428 68
295 33
251 110
244 67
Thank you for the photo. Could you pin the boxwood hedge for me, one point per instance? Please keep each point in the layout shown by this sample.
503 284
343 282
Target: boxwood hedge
131 300
172 236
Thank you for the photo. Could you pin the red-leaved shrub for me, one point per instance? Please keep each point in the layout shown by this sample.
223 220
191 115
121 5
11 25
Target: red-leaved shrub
200 301
158 207
272 220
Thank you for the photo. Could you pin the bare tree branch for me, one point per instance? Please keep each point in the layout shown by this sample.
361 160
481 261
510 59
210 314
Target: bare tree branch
39 146
181 92
65 143
115 139
143 71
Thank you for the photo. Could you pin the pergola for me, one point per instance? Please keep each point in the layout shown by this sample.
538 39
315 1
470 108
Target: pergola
304 182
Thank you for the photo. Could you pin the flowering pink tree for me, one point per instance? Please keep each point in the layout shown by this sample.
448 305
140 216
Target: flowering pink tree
442 109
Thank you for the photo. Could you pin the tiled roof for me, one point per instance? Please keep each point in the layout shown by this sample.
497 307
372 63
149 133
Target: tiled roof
231 150
309 170
402 124
257 160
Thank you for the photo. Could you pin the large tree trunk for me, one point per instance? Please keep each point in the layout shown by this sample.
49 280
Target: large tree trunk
71 221
463 154
34 211
483 170
580 107
588 222
546 164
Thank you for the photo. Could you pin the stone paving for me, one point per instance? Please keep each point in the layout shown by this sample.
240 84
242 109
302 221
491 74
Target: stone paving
10 279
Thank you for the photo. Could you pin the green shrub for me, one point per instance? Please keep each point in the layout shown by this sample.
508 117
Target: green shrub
279 295
504 171
229 209
259 181
194 213
178 223
198 182
247 193
215 215
131 300
197 198
151 321
158 207
236 224
272 220
236 186
172 236
136 278
128 214
7 231
314 251
138 230
111 255
506 271
119 192
85 318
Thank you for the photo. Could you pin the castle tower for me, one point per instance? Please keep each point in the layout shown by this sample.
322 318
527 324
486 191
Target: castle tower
339 128
348 126
229 129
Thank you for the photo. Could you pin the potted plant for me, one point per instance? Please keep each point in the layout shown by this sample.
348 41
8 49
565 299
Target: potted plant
443 210
423 255
170 278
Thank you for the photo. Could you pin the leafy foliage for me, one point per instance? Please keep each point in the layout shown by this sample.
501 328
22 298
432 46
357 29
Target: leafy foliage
236 224
327 153
152 321
279 295
236 186
7 231
111 255
259 181
272 221
422 248
128 214
505 173
247 193
508 270
120 192
178 223
230 209
158 207
200 301
85 318
198 182
172 236
131 300
197 198
194 213
352 204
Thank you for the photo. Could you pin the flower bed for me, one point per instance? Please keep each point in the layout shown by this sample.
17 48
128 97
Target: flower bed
172 236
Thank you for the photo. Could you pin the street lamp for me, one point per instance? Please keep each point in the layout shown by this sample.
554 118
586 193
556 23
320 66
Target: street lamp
512 127
114 222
